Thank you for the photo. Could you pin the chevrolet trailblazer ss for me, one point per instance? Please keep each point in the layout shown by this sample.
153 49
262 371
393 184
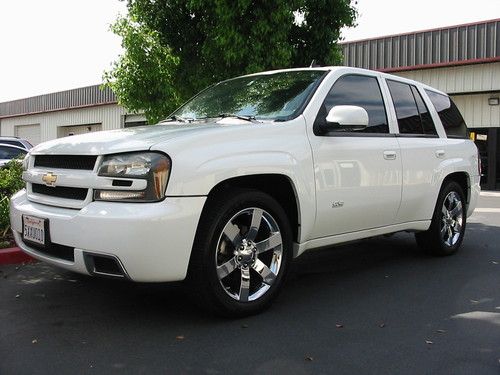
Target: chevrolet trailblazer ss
249 174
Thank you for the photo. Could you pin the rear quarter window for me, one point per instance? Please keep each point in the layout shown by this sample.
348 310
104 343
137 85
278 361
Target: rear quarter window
452 120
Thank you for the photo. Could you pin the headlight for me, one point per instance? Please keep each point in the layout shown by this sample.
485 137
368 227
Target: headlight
150 166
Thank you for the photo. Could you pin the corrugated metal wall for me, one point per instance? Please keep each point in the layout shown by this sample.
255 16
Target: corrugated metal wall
462 43
80 97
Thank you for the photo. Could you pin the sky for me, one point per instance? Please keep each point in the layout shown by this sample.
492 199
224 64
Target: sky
54 45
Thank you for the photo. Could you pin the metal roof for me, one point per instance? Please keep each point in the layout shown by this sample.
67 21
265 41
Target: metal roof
455 45
57 101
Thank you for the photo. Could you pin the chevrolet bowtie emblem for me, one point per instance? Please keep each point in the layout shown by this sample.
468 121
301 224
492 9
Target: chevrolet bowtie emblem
49 179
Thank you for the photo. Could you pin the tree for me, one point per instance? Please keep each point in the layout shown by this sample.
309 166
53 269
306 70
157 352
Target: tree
174 48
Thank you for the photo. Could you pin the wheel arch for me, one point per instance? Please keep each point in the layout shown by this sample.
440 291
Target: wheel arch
463 179
278 186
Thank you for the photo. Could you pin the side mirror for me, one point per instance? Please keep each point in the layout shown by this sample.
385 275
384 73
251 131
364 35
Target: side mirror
346 118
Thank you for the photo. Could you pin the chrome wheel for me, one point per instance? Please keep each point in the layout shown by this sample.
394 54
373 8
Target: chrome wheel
249 254
451 219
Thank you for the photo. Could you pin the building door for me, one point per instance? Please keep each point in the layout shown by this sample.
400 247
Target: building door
29 132
488 143
66 131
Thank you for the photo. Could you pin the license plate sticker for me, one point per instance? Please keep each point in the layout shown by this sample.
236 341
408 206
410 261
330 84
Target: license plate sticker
34 229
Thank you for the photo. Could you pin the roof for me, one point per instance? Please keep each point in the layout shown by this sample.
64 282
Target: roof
70 99
465 44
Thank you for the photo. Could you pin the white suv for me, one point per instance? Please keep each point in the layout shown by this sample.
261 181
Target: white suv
249 174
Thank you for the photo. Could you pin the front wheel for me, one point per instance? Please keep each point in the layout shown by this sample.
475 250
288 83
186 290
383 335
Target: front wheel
241 253
446 233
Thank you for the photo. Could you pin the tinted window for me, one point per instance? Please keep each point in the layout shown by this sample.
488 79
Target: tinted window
361 91
425 116
10 152
406 109
450 116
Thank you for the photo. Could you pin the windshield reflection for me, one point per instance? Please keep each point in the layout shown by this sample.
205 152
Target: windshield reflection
270 96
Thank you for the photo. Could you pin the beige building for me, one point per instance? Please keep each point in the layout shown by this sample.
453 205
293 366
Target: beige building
82 110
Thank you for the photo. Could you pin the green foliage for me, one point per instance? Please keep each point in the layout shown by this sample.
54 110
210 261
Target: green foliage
10 183
142 78
175 48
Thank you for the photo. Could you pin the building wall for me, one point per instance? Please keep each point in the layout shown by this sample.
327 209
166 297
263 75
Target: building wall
458 79
454 45
477 112
109 116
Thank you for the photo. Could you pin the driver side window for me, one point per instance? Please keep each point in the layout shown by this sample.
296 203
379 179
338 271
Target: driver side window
361 91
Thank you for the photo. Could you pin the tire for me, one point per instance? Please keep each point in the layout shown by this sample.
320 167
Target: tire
446 233
238 268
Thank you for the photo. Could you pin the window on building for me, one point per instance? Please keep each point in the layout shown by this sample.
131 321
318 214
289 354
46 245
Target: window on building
361 91
452 120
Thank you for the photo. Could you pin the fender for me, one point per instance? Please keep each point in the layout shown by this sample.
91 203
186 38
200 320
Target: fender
253 149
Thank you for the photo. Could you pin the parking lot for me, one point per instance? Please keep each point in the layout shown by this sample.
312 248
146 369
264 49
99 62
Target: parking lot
372 307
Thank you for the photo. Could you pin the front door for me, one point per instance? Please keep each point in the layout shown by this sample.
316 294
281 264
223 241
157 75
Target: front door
358 173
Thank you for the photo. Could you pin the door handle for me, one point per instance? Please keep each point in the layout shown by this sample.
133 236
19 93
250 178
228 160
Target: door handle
389 155
440 153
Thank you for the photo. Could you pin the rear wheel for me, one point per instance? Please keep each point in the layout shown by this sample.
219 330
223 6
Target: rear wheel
241 253
447 229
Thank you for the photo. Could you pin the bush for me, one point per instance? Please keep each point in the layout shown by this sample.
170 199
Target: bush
10 182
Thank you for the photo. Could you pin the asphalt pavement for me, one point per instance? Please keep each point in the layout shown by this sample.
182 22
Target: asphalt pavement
373 307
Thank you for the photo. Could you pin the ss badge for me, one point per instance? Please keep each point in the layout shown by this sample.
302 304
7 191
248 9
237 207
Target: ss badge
337 204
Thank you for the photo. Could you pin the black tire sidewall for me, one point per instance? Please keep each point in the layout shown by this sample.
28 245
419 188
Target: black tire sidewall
440 246
219 211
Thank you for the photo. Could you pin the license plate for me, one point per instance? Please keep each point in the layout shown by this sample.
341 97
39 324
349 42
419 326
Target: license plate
34 229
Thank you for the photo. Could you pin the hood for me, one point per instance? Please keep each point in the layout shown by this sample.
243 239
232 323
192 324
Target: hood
121 140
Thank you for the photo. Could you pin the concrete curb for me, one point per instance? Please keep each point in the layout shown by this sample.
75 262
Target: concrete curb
14 255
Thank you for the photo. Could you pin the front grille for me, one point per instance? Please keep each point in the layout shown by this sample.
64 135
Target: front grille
83 162
60 191
55 250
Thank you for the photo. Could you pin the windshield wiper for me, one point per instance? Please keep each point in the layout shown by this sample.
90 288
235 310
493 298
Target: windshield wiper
177 118
239 117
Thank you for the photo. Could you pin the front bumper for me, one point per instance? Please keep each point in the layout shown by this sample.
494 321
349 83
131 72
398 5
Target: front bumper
151 241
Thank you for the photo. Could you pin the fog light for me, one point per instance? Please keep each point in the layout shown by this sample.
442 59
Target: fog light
116 195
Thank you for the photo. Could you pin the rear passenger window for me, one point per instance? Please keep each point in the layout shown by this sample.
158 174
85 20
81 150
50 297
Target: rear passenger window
411 111
361 91
425 116
452 120
406 108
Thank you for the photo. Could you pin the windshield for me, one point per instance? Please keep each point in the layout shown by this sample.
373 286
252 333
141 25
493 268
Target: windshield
275 96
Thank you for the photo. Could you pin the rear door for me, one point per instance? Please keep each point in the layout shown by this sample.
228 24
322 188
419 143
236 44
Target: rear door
422 152
358 173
